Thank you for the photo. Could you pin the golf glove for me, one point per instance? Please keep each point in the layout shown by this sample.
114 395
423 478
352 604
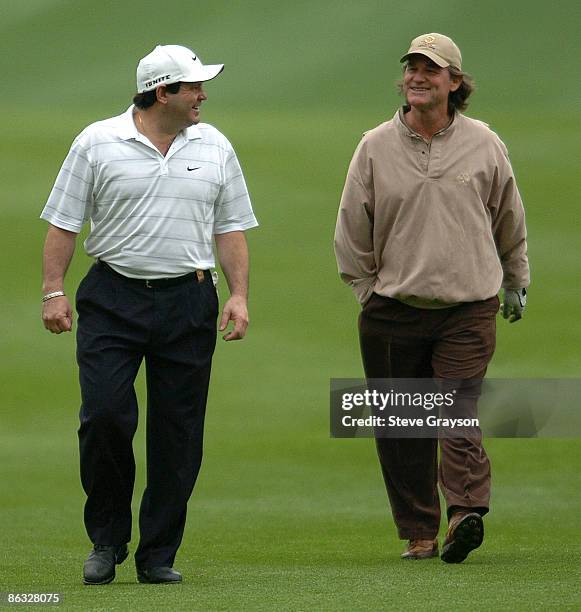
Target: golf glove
514 304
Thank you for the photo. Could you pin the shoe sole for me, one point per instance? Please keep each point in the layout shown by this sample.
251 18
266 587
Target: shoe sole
468 536
89 583
430 555
143 580
118 560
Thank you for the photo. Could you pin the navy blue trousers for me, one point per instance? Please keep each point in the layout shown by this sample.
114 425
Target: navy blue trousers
122 322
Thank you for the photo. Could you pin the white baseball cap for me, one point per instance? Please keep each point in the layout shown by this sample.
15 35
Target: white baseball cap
168 64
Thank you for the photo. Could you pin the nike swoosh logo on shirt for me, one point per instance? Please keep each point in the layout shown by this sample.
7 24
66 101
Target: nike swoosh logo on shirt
196 168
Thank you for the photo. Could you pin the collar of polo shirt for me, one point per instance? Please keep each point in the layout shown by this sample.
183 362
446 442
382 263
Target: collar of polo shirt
128 130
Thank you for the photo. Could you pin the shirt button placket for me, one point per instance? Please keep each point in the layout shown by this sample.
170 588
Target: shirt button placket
425 157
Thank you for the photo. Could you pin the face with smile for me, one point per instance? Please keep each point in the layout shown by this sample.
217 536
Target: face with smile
426 85
184 106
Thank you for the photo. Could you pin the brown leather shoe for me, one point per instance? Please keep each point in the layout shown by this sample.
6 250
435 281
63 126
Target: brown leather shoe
465 533
420 549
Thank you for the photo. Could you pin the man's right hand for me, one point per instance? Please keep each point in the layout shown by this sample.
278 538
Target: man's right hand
57 315
59 246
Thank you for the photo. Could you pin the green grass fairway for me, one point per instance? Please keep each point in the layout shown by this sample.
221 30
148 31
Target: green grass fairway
283 517
296 522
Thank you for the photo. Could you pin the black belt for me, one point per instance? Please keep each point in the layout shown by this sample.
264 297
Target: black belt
158 283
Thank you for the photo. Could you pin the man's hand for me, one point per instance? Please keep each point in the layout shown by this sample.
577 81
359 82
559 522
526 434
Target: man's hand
235 310
513 304
233 256
59 246
57 315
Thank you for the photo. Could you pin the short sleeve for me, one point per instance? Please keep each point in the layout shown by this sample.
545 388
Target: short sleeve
71 198
233 209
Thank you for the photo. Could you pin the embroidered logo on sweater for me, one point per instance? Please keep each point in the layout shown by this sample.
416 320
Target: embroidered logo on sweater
463 178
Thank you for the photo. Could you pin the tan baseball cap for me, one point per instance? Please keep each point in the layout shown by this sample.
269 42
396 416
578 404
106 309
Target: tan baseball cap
439 48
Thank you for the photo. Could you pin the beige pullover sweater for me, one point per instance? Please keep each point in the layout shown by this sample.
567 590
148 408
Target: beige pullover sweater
431 224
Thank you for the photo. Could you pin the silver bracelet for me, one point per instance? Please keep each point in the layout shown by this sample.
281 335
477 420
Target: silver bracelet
54 294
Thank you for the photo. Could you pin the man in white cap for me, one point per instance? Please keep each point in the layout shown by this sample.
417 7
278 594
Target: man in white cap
430 227
157 187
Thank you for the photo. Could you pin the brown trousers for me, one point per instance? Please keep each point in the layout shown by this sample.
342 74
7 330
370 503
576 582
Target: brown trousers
399 341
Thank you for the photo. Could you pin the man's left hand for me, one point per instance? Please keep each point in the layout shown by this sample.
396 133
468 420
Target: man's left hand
236 310
514 303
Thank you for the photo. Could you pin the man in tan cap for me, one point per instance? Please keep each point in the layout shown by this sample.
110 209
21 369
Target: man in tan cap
430 227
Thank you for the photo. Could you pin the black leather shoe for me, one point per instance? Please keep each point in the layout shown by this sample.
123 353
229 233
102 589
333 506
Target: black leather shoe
158 575
100 565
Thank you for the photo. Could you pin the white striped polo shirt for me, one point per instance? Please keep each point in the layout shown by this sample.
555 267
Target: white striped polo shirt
151 216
